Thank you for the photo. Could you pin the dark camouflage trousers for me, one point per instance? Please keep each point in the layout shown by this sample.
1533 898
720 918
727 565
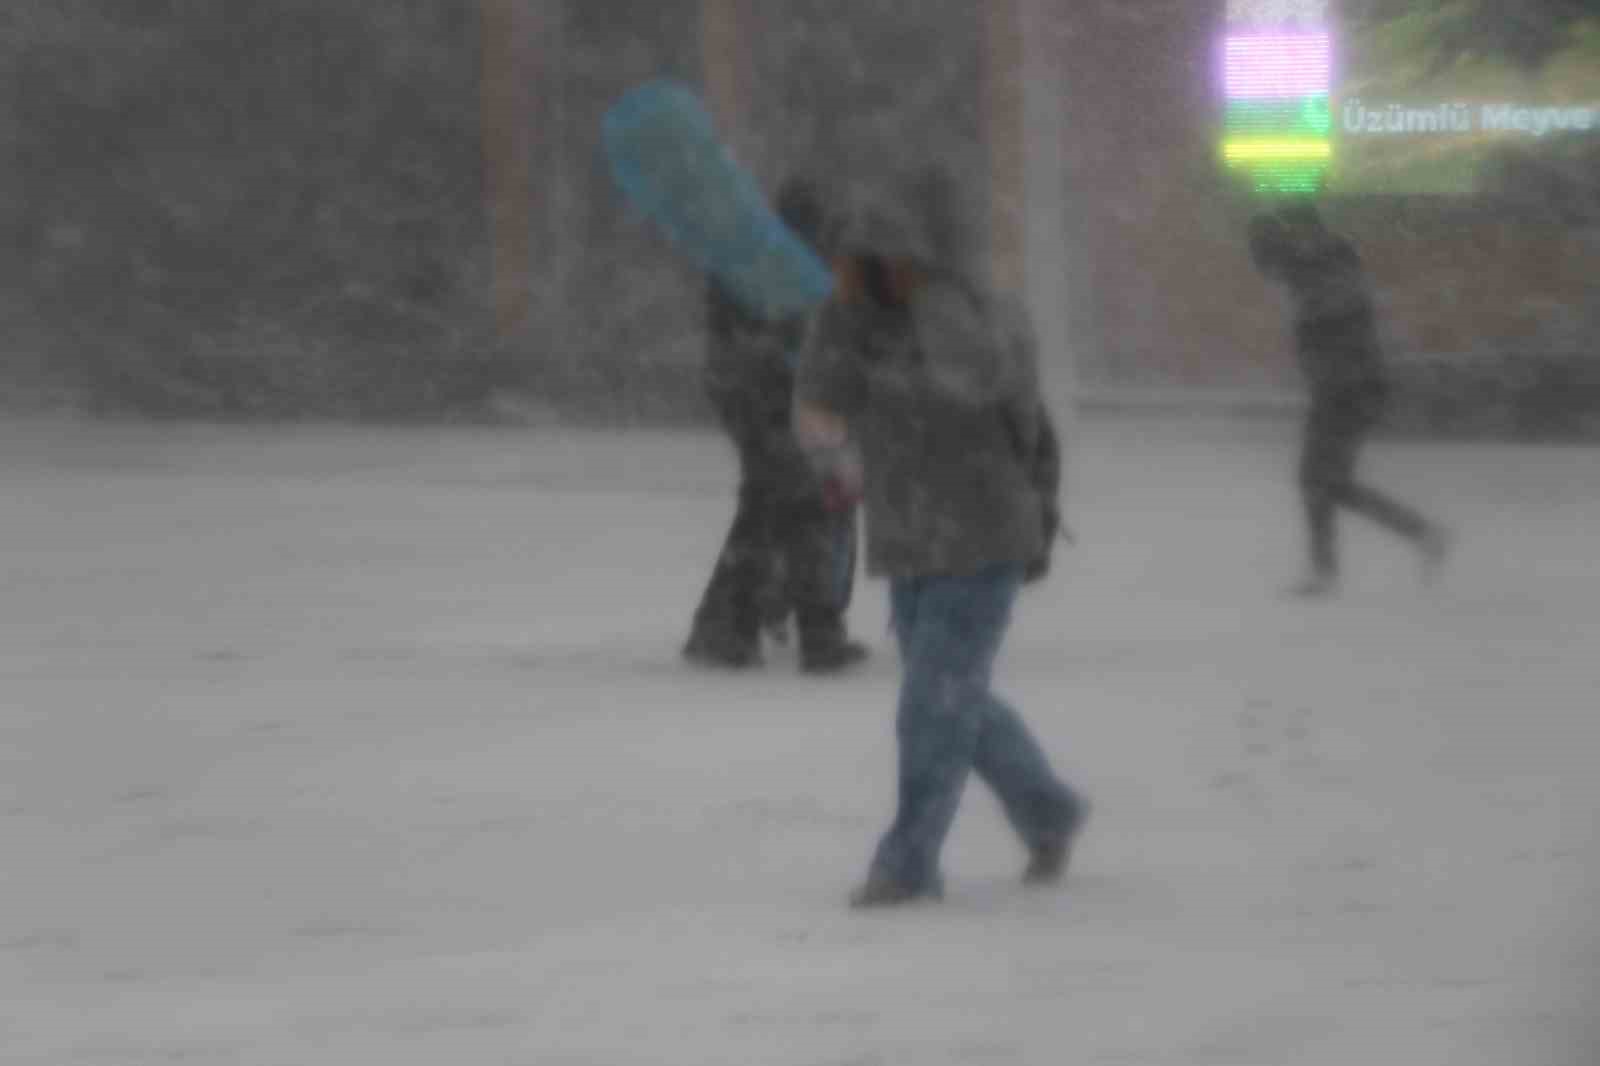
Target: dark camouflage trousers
1335 430
785 549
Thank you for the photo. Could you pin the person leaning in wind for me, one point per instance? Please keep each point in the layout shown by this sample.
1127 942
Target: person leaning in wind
920 387
1336 334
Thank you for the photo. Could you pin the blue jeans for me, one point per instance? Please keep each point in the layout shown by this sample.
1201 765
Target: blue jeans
949 629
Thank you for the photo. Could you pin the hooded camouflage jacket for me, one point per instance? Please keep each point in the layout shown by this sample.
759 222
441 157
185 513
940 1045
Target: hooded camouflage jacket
942 399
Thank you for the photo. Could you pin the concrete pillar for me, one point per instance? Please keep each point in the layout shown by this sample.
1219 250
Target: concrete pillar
525 157
1004 89
508 156
725 64
1026 131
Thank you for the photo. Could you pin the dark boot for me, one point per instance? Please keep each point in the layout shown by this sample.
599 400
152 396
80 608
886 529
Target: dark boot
1047 861
833 657
1435 546
723 650
879 891
1315 586
825 647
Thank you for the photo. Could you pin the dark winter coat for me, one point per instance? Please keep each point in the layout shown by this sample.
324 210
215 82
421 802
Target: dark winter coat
961 466
1335 324
749 362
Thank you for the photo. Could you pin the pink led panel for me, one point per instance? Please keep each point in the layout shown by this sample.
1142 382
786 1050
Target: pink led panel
1276 66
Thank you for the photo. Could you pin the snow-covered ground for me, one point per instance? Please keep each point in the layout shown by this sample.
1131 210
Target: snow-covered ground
340 747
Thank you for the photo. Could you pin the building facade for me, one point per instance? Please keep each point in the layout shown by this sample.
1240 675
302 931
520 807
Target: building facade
1090 128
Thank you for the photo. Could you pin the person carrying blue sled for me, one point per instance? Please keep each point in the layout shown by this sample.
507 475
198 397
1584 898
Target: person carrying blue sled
790 551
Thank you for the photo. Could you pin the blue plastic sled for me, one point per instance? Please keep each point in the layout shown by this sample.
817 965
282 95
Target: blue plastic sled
666 158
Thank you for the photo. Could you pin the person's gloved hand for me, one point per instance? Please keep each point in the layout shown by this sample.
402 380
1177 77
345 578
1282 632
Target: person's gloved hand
841 482
836 498
1040 567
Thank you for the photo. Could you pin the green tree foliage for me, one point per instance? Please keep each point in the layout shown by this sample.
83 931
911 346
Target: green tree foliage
1524 32
1527 32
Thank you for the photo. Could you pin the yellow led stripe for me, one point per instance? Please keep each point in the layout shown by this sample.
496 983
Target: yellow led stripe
1252 150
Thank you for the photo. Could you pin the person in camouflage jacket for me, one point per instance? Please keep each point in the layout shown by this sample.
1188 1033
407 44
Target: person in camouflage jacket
919 388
